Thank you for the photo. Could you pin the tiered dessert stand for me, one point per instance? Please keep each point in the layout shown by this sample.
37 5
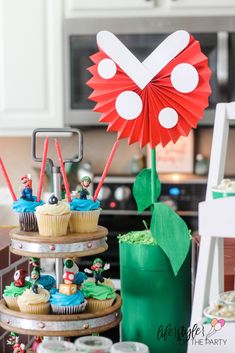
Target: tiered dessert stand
72 245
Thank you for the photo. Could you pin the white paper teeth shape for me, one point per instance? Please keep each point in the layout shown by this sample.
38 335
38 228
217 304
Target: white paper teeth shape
143 73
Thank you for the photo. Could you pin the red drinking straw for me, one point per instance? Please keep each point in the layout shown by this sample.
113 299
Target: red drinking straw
109 161
66 184
7 180
43 166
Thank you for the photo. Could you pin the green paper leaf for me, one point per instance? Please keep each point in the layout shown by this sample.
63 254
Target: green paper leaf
142 189
171 234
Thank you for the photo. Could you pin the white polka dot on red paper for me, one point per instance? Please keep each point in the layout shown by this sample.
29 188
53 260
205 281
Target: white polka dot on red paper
128 105
184 78
168 118
107 68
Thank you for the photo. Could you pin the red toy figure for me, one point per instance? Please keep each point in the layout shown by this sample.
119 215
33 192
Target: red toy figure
68 288
27 192
37 341
19 348
68 277
19 278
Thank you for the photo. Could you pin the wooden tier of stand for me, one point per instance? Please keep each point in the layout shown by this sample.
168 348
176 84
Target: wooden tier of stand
73 244
60 325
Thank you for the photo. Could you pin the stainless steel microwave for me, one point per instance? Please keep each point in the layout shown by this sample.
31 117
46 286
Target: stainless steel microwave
141 36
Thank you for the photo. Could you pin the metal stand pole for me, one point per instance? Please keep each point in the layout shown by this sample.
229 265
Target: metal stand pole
58 262
56 181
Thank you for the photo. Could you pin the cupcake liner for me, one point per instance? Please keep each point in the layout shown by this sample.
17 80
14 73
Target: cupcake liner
84 221
95 305
11 303
28 222
68 309
38 309
53 225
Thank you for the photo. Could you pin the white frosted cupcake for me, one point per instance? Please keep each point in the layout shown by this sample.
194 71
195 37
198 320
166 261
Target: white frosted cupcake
53 217
34 303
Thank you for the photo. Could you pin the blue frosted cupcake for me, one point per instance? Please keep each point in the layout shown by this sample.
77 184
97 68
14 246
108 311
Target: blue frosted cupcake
67 304
85 215
26 212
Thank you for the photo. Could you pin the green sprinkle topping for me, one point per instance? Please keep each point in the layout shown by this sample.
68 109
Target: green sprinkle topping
137 237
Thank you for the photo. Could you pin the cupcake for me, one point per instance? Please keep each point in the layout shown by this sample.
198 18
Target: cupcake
67 299
99 296
34 301
99 292
26 205
15 289
53 217
85 216
85 211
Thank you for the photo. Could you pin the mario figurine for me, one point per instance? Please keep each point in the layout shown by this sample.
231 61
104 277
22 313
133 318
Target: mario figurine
27 192
83 192
97 269
19 278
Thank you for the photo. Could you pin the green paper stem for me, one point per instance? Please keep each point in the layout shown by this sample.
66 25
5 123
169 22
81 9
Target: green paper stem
153 175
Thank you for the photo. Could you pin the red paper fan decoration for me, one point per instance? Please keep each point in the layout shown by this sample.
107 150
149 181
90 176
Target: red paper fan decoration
167 107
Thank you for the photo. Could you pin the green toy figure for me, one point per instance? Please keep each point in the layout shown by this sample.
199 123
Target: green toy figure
35 262
14 341
83 192
35 275
97 269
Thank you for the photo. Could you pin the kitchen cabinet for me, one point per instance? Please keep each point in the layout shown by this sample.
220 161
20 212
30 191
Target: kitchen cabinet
78 8
31 92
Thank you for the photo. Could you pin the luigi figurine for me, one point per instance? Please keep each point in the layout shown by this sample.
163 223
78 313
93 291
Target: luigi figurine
35 262
14 341
83 192
35 275
97 269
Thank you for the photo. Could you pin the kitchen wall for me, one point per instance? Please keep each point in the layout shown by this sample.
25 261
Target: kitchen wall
16 154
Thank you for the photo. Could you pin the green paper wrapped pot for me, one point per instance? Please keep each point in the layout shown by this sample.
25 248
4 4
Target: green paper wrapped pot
152 296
